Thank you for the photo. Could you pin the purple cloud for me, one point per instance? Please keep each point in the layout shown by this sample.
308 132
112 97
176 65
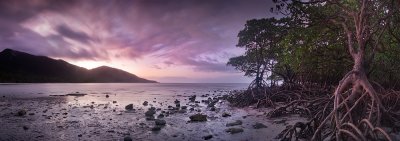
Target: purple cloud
196 33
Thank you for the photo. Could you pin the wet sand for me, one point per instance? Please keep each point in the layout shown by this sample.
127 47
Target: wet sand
96 117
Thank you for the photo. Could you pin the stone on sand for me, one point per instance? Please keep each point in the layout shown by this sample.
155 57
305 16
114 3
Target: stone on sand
259 126
129 107
198 117
207 137
237 122
21 112
160 122
234 130
226 114
127 139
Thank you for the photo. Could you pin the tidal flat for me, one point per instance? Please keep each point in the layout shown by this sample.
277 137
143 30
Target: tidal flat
94 114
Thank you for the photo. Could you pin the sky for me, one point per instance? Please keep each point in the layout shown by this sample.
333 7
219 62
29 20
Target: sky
183 41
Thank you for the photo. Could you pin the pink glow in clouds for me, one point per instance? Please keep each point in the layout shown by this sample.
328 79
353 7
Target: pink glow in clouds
164 40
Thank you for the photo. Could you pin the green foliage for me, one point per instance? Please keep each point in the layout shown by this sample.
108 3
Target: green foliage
307 47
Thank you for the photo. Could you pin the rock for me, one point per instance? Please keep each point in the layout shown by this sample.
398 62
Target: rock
259 126
182 111
21 112
207 137
226 114
178 105
160 122
145 103
237 122
184 107
283 121
114 102
212 103
234 130
31 114
198 117
80 135
129 107
160 116
150 118
107 96
25 127
212 109
156 128
177 101
192 98
127 139
76 94
149 113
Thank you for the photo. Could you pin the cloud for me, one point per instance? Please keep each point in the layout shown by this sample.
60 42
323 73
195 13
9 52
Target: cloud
175 32
82 37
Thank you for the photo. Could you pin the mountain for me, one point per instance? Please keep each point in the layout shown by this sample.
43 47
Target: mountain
21 67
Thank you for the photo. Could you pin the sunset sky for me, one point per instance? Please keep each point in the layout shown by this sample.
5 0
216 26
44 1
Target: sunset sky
162 40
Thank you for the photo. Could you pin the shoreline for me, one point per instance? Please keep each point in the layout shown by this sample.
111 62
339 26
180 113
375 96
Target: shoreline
78 118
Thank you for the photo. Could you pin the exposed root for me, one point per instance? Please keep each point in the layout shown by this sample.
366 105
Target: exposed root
355 114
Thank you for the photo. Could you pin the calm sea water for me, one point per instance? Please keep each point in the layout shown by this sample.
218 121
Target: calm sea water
45 89
123 93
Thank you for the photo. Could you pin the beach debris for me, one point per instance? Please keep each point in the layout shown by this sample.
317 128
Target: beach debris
198 117
107 96
207 137
129 107
25 127
226 114
80 135
31 114
234 130
259 126
127 139
237 122
145 103
21 112
160 122
114 102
